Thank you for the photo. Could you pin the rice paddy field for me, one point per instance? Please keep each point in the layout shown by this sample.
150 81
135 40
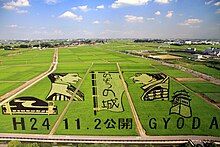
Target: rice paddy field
20 66
104 108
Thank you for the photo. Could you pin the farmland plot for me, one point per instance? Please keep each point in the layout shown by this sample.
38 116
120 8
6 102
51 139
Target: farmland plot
176 115
100 106
105 109
20 68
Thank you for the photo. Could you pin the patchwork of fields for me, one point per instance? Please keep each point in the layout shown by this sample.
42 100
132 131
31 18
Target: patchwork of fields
21 66
164 105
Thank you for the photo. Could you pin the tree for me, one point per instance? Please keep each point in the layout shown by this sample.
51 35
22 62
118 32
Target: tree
32 145
46 145
24 46
15 143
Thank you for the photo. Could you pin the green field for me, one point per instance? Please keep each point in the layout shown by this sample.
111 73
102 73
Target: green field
6 87
153 114
39 90
23 66
202 87
89 117
105 122
214 96
12 52
165 49
206 70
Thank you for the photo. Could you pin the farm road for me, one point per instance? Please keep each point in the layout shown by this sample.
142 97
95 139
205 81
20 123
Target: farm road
193 72
140 129
199 95
10 95
53 130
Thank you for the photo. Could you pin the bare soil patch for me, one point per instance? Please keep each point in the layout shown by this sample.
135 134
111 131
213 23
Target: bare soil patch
13 54
189 79
166 57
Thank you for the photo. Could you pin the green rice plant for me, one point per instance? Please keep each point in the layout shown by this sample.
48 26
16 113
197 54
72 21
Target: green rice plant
156 119
202 87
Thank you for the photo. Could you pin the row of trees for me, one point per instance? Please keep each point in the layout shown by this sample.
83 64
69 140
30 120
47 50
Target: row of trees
41 45
16 143
52 44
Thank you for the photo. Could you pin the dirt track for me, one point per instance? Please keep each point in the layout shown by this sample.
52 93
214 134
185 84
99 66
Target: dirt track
166 57
193 72
53 130
140 129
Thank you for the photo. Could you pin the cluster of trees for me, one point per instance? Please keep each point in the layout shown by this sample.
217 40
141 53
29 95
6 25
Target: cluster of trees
16 143
52 44
41 45
150 40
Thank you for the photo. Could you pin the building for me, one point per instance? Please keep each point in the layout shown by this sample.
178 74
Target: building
188 42
8 48
190 50
212 51
197 56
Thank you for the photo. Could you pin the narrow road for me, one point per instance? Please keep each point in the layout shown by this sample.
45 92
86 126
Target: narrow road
10 95
53 130
140 129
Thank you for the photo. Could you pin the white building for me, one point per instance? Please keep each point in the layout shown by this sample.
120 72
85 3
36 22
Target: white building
197 56
188 42
212 51
190 50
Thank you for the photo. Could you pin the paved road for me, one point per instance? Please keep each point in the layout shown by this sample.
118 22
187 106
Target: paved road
53 130
10 95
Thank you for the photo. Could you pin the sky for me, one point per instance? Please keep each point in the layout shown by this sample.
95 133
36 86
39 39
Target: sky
72 19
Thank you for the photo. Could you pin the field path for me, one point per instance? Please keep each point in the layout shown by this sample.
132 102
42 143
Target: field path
193 72
10 95
140 129
53 130
197 94
13 81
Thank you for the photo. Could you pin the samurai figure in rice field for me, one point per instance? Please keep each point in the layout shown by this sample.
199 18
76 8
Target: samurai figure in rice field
62 88
156 86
